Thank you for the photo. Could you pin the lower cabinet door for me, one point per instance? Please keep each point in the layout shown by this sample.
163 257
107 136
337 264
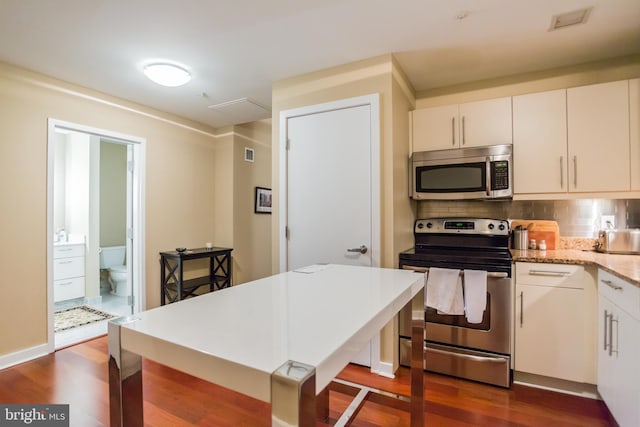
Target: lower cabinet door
549 338
618 355
68 289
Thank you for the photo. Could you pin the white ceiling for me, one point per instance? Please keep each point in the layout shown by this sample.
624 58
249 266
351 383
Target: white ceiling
236 48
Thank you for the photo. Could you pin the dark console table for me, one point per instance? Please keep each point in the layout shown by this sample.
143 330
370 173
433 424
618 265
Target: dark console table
173 286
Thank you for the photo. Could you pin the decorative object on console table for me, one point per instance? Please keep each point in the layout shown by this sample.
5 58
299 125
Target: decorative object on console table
262 200
540 230
173 286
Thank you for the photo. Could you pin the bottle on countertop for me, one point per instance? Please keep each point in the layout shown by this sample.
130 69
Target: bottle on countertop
543 245
532 244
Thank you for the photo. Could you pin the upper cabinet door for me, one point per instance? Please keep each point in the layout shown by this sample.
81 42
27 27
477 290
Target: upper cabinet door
634 126
474 124
484 123
540 142
435 128
598 137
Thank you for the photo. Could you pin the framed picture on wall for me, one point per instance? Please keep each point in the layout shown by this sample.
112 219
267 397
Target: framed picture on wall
263 200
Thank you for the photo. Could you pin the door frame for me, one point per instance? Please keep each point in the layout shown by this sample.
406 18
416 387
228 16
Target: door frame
373 101
137 212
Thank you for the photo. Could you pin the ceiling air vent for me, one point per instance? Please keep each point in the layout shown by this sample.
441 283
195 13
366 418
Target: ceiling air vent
243 110
568 19
248 154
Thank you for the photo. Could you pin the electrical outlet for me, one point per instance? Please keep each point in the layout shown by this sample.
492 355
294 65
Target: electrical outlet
607 222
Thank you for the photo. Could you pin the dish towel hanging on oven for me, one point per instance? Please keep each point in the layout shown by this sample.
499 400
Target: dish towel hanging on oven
444 291
475 295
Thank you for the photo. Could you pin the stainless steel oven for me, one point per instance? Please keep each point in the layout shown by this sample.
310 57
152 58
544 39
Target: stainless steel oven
478 351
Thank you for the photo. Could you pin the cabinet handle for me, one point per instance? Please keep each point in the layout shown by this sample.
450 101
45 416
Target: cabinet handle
549 273
65 283
575 171
64 249
453 131
65 262
606 316
561 173
464 139
610 284
521 308
611 350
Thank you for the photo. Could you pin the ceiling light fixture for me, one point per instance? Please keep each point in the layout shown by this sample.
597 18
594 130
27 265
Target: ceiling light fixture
167 74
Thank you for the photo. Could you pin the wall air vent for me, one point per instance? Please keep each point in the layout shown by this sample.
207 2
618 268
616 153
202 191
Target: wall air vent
248 154
568 19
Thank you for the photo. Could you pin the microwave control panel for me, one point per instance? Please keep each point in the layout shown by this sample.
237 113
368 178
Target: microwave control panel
500 175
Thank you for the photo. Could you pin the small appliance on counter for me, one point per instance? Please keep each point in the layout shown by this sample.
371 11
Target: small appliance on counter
519 237
537 230
619 241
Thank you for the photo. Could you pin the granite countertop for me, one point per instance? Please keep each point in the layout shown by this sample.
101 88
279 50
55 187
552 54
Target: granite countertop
626 267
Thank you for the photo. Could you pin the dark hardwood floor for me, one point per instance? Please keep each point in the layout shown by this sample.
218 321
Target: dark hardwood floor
77 375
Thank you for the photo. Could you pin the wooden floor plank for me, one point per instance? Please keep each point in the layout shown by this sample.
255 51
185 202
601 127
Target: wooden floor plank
77 375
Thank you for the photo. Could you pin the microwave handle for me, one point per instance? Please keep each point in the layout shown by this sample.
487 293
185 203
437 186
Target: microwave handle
488 176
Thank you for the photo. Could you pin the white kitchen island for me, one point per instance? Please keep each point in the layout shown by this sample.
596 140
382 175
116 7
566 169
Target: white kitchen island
281 339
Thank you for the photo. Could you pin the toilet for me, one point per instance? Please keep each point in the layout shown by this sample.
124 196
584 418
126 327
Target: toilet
112 259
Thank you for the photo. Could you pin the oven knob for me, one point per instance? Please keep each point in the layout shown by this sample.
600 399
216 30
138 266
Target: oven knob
429 225
501 227
420 225
491 226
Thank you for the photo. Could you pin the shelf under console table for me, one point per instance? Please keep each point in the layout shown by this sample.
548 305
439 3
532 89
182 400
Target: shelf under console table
174 287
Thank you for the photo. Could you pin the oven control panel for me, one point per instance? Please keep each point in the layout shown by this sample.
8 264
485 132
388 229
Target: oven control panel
462 226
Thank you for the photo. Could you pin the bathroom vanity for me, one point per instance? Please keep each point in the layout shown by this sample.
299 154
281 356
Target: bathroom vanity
68 271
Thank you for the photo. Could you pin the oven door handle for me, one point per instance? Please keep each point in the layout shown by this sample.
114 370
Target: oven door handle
466 356
493 275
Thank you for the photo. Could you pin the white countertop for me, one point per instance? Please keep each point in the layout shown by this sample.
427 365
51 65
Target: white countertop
236 337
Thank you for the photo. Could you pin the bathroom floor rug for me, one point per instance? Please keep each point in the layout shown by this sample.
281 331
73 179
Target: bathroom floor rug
78 316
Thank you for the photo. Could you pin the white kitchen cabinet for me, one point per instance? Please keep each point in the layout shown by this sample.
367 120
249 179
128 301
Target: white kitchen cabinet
555 319
540 142
472 124
598 137
619 348
634 127
68 271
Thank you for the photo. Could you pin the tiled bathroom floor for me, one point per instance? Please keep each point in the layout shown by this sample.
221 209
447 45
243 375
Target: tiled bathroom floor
110 303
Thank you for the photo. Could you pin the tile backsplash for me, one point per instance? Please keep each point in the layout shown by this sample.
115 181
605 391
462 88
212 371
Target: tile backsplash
576 218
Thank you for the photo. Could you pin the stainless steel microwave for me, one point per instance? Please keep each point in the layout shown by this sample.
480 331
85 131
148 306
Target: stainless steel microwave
464 173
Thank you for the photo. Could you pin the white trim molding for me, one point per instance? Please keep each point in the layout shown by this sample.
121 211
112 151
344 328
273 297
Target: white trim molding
139 264
22 356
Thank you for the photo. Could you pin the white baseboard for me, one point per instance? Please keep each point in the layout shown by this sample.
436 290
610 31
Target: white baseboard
385 369
22 356
555 384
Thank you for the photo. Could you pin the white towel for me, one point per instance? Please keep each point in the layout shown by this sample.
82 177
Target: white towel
475 294
444 291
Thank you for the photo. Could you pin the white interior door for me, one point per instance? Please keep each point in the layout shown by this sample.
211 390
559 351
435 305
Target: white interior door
331 190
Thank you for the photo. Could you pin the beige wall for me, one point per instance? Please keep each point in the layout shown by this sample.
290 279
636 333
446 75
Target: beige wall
235 223
578 75
113 194
179 189
251 231
376 75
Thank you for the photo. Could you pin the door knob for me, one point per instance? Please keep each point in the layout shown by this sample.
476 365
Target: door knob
362 249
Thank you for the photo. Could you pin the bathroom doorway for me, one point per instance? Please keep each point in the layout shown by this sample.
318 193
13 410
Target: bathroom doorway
95 242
